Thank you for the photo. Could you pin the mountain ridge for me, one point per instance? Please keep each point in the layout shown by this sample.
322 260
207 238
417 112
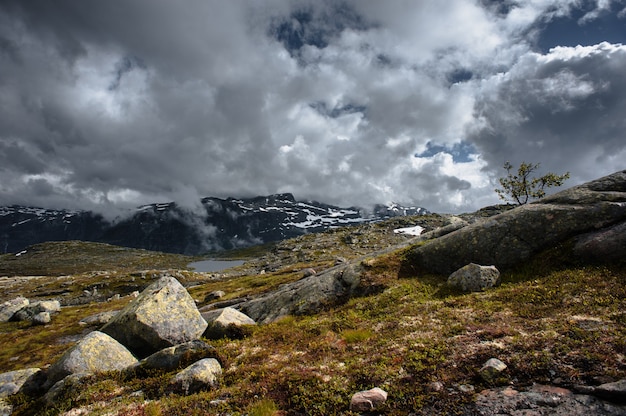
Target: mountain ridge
216 225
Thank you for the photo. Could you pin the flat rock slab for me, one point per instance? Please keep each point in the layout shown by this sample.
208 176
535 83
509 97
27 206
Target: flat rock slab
163 315
543 400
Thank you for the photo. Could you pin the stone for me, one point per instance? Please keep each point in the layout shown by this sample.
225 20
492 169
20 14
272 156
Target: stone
223 321
96 352
98 319
8 308
474 278
13 381
176 357
163 315
42 318
217 294
199 376
516 235
368 400
615 391
27 313
542 400
71 382
305 296
492 369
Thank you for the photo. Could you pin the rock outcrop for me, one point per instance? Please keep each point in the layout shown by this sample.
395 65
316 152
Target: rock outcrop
305 296
163 315
95 353
597 207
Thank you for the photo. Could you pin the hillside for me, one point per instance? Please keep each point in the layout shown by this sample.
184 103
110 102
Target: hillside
215 224
555 322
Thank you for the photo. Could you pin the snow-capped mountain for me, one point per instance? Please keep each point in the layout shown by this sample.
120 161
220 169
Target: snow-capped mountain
217 224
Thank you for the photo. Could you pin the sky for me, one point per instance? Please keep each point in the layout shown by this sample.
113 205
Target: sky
108 105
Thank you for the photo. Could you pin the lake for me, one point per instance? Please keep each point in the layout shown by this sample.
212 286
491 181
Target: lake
205 266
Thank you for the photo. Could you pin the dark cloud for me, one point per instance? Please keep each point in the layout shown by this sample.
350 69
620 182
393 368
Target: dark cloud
109 105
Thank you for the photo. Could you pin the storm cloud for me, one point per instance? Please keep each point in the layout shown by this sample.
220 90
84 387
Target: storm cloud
110 105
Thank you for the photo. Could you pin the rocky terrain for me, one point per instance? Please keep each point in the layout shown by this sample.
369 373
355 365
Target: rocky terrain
355 320
215 224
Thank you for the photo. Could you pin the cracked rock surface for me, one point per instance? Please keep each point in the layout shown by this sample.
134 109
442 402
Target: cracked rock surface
514 236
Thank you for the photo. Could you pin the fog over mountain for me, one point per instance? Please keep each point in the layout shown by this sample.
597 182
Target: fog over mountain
108 105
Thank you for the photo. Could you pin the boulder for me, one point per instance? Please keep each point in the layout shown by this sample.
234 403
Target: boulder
98 319
199 376
96 352
13 381
176 357
305 296
8 308
474 278
27 313
368 400
514 236
223 321
163 315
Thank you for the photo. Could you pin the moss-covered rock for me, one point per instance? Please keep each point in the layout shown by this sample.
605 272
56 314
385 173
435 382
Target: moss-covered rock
514 236
95 353
163 315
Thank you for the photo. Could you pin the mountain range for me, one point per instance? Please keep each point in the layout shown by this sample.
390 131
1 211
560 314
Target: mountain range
217 224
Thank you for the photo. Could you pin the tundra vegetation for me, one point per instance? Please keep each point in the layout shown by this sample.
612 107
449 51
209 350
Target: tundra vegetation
553 320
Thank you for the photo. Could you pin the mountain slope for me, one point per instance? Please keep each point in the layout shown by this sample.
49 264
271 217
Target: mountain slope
217 224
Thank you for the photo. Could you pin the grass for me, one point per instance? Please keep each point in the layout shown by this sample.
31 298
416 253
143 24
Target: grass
550 321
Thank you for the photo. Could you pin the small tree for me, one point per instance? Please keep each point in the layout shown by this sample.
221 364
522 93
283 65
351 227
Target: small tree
521 187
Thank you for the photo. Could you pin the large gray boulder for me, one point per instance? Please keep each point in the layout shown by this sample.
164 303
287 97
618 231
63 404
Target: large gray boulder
163 315
97 352
514 236
225 320
305 296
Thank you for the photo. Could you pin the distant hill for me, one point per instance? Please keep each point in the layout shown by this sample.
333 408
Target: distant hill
220 224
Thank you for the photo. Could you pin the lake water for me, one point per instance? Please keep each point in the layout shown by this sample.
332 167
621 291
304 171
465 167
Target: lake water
206 266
